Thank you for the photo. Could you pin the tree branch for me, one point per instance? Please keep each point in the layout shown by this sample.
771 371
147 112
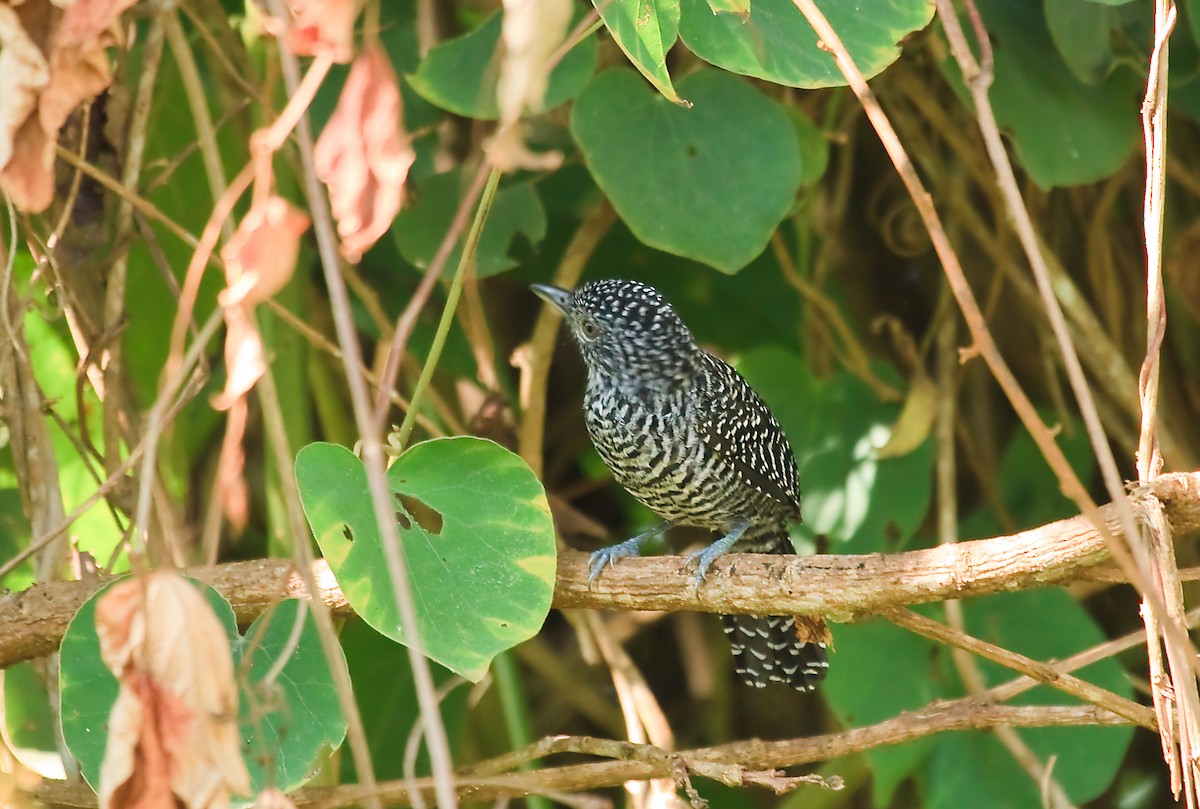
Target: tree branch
843 588
744 760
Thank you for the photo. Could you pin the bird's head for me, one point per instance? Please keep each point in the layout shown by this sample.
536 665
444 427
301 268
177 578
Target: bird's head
626 331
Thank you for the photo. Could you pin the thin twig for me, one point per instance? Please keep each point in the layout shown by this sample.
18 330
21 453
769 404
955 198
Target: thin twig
1042 672
408 318
1176 702
486 198
302 556
372 450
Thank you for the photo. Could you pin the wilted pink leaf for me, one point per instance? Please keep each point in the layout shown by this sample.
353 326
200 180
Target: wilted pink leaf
244 360
259 260
323 26
261 256
52 60
363 154
172 733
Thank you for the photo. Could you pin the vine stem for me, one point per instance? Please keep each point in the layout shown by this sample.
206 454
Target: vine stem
439 339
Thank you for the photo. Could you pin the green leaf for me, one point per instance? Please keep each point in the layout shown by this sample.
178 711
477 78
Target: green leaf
29 722
1092 130
1085 33
814 146
283 732
284 746
776 43
421 226
460 74
387 701
709 183
862 503
1043 624
478 542
1027 486
974 769
645 30
877 672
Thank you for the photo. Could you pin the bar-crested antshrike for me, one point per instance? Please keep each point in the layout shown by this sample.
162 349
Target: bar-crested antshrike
685 434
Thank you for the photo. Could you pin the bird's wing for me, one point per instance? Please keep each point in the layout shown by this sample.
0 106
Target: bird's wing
740 428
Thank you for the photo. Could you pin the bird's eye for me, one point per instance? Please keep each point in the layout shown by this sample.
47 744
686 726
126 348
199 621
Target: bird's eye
589 329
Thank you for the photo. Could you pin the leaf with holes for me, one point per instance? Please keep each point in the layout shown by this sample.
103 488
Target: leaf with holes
478 542
285 727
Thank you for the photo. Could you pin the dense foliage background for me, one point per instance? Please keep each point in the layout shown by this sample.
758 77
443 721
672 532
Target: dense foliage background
710 149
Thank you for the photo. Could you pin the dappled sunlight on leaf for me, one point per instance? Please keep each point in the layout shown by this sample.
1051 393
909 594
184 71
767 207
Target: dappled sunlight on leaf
173 733
363 154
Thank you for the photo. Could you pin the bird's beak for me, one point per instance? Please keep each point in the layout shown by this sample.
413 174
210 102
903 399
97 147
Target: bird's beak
560 299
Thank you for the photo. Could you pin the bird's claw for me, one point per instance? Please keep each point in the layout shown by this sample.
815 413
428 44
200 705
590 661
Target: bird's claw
609 556
702 560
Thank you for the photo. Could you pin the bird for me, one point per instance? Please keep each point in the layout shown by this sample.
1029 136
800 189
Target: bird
685 434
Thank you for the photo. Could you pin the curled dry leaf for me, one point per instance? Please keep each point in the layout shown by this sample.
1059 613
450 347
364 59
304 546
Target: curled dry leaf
532 31
173 731
363 154
323 26
52 60
259 260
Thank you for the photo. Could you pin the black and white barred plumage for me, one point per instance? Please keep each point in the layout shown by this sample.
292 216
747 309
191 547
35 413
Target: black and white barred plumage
685 434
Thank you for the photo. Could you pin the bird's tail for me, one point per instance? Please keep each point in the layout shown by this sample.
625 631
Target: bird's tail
776 648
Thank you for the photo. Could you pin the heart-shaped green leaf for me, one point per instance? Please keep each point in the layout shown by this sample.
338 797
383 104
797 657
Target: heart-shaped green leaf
709 183
478 543
1091 132
775 42
283 731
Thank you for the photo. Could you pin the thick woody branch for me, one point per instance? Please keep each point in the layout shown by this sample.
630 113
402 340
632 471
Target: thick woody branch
847 587
843 588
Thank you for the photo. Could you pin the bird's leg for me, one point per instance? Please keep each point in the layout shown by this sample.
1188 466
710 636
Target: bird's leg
704 558
630 547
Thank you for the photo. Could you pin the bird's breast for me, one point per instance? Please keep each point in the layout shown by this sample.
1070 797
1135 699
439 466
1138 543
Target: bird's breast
655 450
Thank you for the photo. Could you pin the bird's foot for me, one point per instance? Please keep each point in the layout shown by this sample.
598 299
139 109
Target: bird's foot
703 558
630 547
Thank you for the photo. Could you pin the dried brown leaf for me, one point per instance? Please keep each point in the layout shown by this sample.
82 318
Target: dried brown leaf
173 733
52 60
363 154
